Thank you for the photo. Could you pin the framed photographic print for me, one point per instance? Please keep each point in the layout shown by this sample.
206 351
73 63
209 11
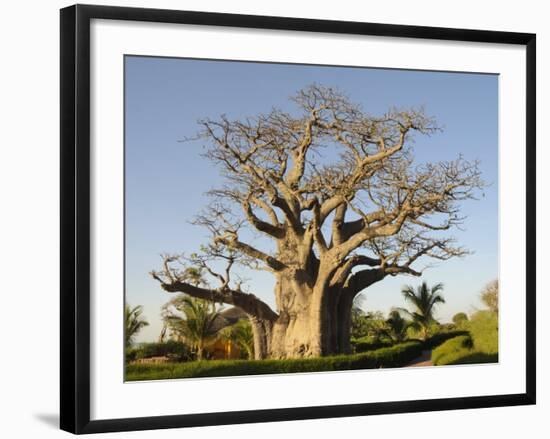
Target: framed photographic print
269 218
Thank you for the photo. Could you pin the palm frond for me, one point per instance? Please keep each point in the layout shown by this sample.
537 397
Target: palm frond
133 323
423 300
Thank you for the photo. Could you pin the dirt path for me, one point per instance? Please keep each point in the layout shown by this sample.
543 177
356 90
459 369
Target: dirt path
424 360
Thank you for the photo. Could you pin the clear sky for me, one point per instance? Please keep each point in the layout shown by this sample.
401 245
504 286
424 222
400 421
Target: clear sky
166 180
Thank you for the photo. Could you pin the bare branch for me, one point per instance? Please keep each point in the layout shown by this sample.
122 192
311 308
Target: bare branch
231 240
275 231
180 280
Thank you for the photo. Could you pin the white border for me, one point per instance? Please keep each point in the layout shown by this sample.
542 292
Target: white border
111 398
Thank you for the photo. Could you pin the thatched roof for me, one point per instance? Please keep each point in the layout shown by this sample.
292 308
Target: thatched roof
228 317
233 314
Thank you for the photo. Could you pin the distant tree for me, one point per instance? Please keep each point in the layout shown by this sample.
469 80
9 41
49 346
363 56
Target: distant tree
162 335
489 296
373 325
366 324
359 324
460 318
133 323
397 326
424 300
193 320
376 325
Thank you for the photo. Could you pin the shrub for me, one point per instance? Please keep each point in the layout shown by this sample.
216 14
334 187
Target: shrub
415 332
366 344
452 349
484 329
460 318
470 357
371 325
480 347
130 354
441 337
395 356
176 350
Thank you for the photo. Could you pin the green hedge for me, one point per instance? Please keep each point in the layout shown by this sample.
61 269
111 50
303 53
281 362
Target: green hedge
441 337
461 350
482 346
470 357
367 344
171 348
451 350
484 329
395 356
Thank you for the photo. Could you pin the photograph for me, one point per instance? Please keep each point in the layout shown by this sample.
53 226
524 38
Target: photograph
297 218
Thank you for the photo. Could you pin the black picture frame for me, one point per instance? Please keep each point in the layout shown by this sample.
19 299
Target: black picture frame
75 217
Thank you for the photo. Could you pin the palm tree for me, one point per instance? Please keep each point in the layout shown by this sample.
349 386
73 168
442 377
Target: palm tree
397 326
133 323
459 318
240 334
423 300
195 321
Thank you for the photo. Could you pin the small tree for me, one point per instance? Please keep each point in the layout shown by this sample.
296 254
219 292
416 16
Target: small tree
240 334
460 318
134 322
374 326
424 300
192 319
489 296
397 327
359 323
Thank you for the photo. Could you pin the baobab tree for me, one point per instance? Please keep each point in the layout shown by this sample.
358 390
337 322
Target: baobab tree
337 193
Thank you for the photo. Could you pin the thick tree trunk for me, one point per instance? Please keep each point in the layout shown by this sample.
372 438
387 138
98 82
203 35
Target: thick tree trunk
343 312
334 321
313 307
310 332
316 321
300 330
261 330
294 336
308 323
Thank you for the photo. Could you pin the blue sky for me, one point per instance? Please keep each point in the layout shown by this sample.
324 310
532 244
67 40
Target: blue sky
166 179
